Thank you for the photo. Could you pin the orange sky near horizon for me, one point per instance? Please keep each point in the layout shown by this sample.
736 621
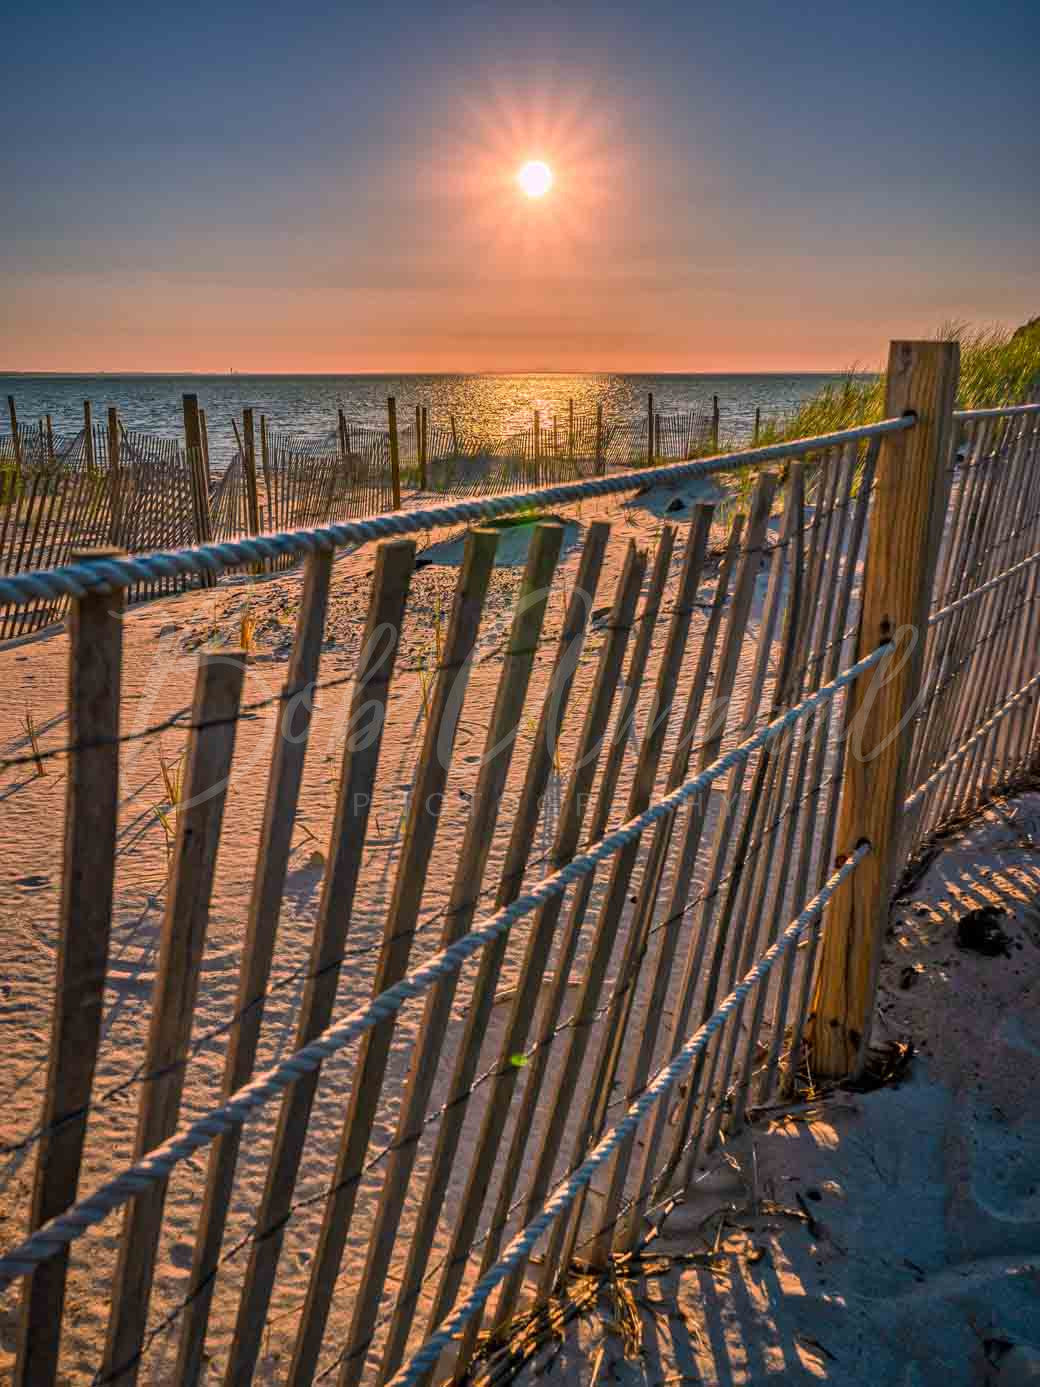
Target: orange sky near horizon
144 322
748 220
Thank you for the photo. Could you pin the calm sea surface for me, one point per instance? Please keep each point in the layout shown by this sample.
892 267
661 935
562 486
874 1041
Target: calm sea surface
306 405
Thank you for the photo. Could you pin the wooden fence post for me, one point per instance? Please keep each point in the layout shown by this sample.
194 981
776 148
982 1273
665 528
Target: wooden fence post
715 421
600 459
395 455
758 425
265 464
204 431
50 440
115 528
537 436
249 462
88 435
197 466
454 437
423 451
905 529
570 429
16 442
650 429
88 870
193 449
207 769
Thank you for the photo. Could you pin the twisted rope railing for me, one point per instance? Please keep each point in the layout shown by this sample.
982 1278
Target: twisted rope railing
982 589
74 580
977 736
968 416
159 1163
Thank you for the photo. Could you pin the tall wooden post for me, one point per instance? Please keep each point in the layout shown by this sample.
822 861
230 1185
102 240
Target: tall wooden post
344 440
249 463
88 435
91 811
570 429
205 448
193 449
395 456
193 445
715 421
454 437
601 462
50 439
115 487
537 436
906 520
265 464
15 440
424 436
758 425
182 943
650 429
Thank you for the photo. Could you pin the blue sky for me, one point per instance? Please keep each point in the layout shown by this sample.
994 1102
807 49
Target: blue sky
317 187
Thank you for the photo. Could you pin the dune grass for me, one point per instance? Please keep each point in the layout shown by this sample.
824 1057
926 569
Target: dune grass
998 367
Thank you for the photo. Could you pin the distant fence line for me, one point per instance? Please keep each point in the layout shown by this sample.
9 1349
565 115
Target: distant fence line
881 681
105 485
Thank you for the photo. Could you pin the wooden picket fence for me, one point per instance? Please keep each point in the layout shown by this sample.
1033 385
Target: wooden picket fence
457 1127
60 494
102 486
450 460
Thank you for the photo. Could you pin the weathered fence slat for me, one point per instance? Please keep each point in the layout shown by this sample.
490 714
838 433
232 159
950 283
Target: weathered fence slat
91 800
199 817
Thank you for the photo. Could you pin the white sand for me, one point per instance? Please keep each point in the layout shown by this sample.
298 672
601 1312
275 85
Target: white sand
922 1265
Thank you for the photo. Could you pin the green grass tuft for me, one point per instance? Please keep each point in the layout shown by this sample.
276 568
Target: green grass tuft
998 367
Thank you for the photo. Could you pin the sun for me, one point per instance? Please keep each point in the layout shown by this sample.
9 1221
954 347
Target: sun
535 178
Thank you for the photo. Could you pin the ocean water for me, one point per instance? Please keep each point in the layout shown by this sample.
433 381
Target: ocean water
307 405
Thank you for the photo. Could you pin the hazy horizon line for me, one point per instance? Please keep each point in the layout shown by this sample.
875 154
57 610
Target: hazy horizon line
487 371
